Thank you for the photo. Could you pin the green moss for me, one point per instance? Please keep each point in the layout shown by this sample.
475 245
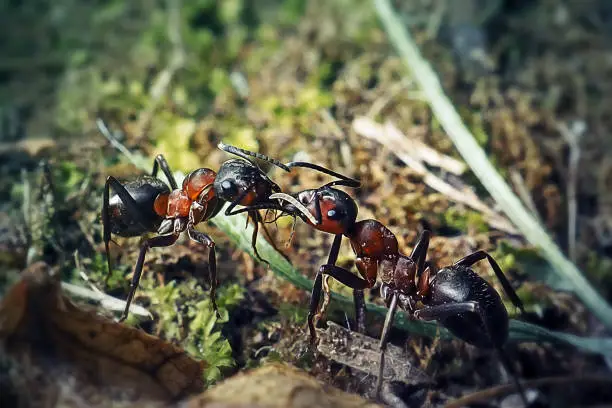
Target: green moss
294 313
291 11
464 220
478 130
173 136
185 318
243 137
599 269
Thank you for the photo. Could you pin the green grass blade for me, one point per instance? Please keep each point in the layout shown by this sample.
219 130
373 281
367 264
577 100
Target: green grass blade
476 158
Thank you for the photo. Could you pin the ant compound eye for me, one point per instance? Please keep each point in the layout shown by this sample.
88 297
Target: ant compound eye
228 187
334 214
304 199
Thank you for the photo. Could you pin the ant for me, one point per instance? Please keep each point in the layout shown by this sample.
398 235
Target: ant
456 296
147 204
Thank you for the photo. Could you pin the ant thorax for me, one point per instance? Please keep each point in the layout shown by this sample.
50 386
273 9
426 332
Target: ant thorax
370 238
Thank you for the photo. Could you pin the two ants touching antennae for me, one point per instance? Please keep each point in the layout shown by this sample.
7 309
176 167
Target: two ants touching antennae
147 204
456 296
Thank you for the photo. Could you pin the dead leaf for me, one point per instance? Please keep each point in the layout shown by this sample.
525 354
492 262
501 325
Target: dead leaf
277 385
107 361
361 352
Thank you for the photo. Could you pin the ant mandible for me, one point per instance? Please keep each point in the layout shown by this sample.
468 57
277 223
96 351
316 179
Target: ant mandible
456 296
147 204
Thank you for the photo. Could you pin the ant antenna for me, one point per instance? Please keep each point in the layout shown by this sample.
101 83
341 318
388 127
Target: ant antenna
344 180
246 154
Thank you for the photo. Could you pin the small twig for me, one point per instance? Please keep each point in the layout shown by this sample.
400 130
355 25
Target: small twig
379 104
498 391
390 137
114 142
345 149
105 301
95 294
523 193
572 137
476 158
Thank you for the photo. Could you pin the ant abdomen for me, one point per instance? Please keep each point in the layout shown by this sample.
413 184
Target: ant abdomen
144 190
460 285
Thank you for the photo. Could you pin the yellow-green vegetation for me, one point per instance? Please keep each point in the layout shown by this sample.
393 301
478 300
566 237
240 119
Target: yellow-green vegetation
186 316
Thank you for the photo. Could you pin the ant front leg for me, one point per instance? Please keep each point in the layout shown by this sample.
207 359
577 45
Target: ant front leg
471 259
315 296
207 241
160 161
269 236
360 310
254 215
161 241
343 276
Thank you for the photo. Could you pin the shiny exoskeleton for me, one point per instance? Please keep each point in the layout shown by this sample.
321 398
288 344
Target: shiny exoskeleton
147 204
457 297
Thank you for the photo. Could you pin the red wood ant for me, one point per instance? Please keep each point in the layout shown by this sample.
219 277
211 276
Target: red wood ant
147 204
456 296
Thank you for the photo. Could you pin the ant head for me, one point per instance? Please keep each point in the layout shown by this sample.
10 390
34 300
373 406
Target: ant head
242 182
334 210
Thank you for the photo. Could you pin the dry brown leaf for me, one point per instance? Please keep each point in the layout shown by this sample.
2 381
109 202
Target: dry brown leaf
363 353
108 361
277 385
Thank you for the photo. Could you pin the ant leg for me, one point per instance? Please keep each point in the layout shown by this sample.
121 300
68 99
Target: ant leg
207 241
440 312
360 310
161 241
510 369
254 215
160 161
264 206
246 154
384 338
471 259
229 210
425 277
315 296
130 204
345 277
344 180
270 239
419 252
326 299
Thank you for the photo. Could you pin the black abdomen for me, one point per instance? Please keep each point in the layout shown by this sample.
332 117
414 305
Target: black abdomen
144 191
460 284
